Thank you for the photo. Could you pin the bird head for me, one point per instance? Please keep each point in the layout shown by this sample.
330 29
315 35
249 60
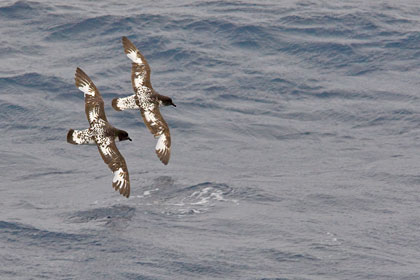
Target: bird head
166 101
123 135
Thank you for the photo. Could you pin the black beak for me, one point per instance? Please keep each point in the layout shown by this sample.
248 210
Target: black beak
129 139
173 104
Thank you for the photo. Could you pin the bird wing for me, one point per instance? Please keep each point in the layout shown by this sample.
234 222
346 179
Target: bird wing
79 137
140 70
124 103
94 104
140 79
116 162
159 128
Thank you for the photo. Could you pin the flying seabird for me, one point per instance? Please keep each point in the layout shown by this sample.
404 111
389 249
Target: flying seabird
101 133
147 100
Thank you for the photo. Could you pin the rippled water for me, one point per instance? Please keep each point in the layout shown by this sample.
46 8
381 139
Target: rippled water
294 141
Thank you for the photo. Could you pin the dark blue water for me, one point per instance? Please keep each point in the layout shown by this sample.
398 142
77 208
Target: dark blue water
295 141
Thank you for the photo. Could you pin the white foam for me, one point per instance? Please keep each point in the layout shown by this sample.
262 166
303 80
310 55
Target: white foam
149 192
206 195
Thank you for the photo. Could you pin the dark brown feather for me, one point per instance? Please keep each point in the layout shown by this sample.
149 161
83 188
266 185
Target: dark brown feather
94 107
140 72
114 104
116 161
92 102
144 67
70 137
158 128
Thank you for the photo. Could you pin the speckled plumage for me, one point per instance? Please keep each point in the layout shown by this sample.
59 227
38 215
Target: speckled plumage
101 133
147 100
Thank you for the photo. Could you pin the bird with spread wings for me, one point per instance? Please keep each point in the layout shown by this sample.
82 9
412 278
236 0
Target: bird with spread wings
101 133
147 100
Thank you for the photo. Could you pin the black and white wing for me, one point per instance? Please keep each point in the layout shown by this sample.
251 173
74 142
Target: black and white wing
124 103
116 162
140 78
159 128
140 70
80 137
94 104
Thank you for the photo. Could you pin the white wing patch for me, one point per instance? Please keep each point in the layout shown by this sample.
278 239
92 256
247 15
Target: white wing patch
149 115
94 114
127 103
106 150
81 137
143 94
118 179
161 144
104 146
134 57
87 90
138 81
103 142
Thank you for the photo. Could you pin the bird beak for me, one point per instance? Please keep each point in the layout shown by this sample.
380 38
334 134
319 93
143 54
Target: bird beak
129 139
173 104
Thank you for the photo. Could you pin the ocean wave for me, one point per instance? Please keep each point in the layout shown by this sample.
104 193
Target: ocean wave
291 117
106 215
287 256
257 195
100 26
17 232
21 9
36 81
164 198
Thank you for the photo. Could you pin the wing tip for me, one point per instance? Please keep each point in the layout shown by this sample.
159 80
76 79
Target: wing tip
70 137
164 157
80 78
84 83
115 104
124 190
121 182
79 73
163 147
128 45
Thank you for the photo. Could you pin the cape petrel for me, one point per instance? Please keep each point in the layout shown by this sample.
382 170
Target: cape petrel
101 133
147 100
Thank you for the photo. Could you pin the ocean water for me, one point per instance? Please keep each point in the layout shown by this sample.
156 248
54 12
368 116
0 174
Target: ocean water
295 141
